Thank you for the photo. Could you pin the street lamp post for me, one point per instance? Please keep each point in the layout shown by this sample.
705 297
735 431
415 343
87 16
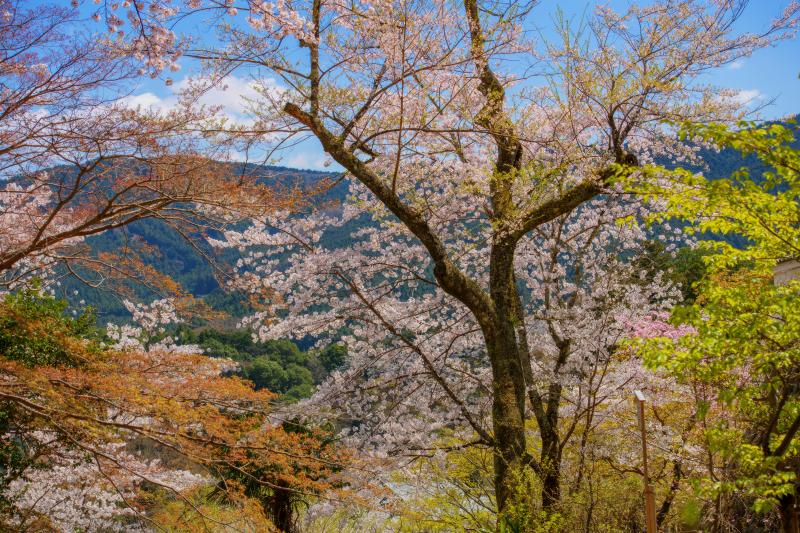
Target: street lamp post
649 497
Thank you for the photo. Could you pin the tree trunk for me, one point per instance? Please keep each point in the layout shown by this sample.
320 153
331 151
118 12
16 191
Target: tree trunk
666 505
507 418
508 381
551 473
789 519
281 511
551 443
551 452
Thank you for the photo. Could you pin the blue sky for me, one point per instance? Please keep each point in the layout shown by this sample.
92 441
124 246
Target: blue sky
769 77
768 74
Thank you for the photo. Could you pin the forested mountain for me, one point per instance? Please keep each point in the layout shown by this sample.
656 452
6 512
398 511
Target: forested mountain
172 255
194 265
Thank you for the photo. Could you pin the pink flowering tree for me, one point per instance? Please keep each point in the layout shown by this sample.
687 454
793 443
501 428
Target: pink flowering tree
148 330
418 368
83 424
77 158
485 166
74 491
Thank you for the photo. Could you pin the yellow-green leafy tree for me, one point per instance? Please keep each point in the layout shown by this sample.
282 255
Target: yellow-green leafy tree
741 351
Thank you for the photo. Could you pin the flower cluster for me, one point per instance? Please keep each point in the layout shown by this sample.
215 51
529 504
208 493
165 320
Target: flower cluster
91 491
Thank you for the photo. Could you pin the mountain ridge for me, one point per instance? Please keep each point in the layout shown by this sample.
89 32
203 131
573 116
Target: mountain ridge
173 256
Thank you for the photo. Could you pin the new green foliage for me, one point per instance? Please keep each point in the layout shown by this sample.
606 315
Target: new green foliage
32 305
277 365
743 360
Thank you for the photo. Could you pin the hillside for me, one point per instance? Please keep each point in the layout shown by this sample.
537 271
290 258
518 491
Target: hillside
166 251
173 256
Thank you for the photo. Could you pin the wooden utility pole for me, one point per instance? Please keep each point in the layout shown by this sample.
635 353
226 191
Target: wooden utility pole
649 497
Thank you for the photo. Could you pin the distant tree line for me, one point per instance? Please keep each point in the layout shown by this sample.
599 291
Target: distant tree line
279 366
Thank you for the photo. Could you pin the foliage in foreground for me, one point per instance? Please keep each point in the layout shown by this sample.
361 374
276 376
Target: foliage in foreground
742 358
87 429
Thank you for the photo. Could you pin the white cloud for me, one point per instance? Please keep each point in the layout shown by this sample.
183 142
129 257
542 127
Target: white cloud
737 64
307 160
748 96
150 100
231 94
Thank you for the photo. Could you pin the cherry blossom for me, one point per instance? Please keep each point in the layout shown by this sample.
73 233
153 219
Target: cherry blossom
488 273
77 491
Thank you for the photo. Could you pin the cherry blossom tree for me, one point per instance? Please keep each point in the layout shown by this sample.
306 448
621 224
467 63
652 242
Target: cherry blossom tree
148 331
484 163
418 370
78 159
75 492
75 411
